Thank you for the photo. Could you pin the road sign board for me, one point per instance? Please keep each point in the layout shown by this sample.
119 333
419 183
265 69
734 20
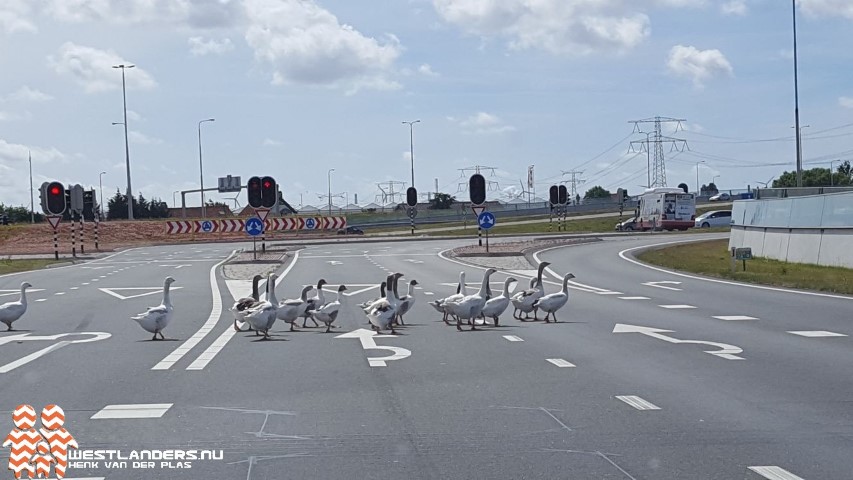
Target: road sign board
310 223
412 212
743 253
262 213
207 226
486 220
54 220
229 184
76 198
254 226
478 209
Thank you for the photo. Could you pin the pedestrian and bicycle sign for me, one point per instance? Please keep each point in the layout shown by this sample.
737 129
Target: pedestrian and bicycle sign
254 226
486 220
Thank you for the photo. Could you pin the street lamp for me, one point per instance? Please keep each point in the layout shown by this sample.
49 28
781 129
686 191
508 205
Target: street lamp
174 200
697 176
830 173
201 167
101 187
797 101
330 190
412 146
714 180
126 145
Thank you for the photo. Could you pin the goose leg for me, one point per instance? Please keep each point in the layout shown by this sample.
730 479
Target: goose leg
328 327
291 326
458 324
496 320
161 336
155 336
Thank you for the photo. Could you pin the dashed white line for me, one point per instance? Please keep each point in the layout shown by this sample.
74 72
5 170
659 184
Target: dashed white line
773 472
560 362
609 293
513 338
59 293
84 283
676 307
732 318
637 402
428 293
816 333
634 298
41 300
141 410
74 288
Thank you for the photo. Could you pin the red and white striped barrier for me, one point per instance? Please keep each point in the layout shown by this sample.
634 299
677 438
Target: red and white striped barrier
237 225
175 227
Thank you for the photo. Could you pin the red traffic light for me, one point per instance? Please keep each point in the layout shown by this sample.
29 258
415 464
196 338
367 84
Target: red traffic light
55 191
267 184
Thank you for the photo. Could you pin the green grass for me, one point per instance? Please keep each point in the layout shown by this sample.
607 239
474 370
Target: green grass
12 266
711 258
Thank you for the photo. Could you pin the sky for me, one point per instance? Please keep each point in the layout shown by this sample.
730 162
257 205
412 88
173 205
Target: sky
298 87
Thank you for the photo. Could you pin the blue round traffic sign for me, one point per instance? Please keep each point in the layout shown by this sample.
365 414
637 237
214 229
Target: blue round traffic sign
207 226
254 226
486 220
310 223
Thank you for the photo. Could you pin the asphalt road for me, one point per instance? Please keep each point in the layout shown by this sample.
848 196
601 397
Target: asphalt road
450 404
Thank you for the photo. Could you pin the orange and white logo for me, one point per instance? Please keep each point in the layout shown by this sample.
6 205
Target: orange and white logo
33 451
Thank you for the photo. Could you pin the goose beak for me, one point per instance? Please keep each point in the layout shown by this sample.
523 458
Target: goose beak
571 275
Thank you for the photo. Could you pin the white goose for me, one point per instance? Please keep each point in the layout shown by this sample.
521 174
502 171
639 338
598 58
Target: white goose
470 306
11 311
328 313
314 303
441 304
262 317
552 302
495 306
289 310
155 319
366 305
524 301
516 299
406 302
381 313
243 304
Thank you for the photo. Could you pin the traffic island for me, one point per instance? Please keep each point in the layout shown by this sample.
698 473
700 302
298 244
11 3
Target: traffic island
512 255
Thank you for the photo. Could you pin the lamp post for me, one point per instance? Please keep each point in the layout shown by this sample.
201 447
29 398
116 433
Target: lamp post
32 201
123 67
174 200
797 100
101 188
697 176
412 146
330 190
831 184
201 167
714 180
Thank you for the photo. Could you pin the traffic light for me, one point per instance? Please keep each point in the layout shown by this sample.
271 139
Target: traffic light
563 195
254 189
412 196
553 195
55 199
268 192
477 189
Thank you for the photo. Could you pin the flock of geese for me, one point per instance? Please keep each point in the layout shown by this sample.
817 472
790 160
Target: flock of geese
383 313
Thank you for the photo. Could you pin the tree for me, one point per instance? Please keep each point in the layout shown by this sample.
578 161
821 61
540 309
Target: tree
710 189
18 214
597 192
684 187
117 206
442 201
157 208
818 177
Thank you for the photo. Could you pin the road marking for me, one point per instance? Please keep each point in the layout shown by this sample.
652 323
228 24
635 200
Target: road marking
366 337
150 291
177 267
428 293
676 307
774 473
74 288
661 285
212 319
816 333
41 300
59 293
732 318
334 262
84 283
637 402
44 351
140 410
560 362
609 293
634 298
17 291
513 338
729 352
210 353
411 260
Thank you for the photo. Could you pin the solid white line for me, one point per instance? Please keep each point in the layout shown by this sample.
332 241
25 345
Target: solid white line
141 410
560 277
33 356
733 317
513 338
676 306
560 362
229 332
816 333
634 298
774 473
637 402
215 312
623 256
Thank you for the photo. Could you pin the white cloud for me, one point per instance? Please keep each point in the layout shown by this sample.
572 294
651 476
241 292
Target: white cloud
202 14
734 7
13 17
92 69
6 116
846 102
483 123
829 8
269 142
27 94
17 154
200 46
305 44
426 69
698 65
556 26
133 115
140 138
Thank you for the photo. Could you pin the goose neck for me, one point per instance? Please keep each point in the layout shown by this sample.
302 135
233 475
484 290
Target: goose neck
23 295
166 298
506 287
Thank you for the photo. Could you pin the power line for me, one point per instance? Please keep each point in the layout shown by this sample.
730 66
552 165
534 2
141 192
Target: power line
658 175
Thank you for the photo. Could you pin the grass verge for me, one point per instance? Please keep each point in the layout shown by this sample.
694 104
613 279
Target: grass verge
12 266
711 258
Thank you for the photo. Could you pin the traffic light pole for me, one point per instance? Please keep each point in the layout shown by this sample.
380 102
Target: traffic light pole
97 224
73 239
55 243
82 235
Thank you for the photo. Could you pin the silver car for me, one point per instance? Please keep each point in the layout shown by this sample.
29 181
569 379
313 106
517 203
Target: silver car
716 218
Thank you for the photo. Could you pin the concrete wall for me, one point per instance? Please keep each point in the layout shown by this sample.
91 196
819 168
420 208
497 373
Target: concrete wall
814 229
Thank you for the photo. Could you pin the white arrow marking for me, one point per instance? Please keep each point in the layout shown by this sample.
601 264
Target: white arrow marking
334 262
413 261
177 267
662 283
729 352
44 351
773 472
366 338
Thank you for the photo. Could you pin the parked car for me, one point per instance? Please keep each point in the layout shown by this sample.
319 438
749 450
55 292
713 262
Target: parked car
628 225
716 218
351 231
721 197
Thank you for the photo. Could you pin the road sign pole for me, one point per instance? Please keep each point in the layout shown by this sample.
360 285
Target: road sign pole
487 241
97 224
551 219
82 236
254 249
413 225
73 238
479 235
55 243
